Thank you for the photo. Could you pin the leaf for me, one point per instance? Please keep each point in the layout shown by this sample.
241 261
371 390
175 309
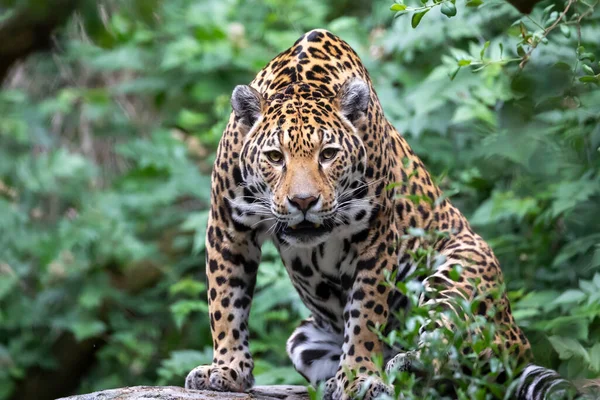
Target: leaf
595 262
595 358
576 367
485 47
588 69
526 313
568 348
574 327
587 56
448 9
181 309
188 286
576 247
547 10
454 73
474 111
589 79
416 232
416 18
553 17
272 375
541 299
8 280
87 329
464 63
197 222
568 194
456 272
180 362
92 296
596 278
179 52
398 7
570 296
393 185
123 58
190 120
588 287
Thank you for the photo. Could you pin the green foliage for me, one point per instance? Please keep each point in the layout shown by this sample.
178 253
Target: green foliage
526 128
106 147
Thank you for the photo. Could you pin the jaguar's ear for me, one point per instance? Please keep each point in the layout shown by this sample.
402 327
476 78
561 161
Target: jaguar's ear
247 104
353 99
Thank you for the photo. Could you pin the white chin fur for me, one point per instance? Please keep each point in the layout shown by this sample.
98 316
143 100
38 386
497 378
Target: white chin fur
307 242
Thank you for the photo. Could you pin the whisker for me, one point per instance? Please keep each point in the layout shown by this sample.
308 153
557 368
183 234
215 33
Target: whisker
273 229
357 203
263 220
360 187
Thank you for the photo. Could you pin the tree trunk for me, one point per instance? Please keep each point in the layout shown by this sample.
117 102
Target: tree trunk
29 29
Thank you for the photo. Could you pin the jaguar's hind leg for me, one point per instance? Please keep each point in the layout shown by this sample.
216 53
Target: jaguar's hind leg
315 350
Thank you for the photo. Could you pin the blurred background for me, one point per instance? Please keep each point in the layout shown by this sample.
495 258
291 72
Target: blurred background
108 131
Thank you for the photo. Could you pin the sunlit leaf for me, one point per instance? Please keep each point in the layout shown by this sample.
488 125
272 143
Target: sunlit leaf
416 18
398 7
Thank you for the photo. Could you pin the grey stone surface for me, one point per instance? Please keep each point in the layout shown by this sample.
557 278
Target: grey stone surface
277 392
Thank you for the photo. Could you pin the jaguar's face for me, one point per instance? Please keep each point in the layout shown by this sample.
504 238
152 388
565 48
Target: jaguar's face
303 162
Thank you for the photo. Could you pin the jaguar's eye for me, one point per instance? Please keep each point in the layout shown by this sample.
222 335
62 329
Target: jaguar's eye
274 156
329 153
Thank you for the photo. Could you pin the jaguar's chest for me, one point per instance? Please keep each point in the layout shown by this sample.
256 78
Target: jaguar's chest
322 276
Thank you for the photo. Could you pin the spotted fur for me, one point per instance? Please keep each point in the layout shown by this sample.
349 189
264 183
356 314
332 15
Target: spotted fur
305 161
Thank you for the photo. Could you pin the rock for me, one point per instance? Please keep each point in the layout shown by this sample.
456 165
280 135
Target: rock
276 392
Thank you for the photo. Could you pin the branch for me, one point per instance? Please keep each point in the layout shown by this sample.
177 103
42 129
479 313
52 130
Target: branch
276 392
546 32
30 29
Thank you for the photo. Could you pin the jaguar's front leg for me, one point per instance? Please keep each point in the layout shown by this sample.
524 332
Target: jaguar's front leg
231 266
365 310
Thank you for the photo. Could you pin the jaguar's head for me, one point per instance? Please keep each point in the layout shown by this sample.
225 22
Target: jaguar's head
303 161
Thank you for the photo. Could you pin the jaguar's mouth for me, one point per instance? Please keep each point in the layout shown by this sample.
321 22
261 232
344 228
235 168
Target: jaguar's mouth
306 229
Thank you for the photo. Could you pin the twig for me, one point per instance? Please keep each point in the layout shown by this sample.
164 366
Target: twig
581 17
546 32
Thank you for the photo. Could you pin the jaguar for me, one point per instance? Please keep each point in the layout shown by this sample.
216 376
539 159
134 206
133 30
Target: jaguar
309 161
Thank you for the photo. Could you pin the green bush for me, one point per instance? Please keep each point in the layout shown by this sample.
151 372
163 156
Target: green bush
106 146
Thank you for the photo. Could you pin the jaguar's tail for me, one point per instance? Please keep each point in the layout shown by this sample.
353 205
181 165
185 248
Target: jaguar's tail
539 383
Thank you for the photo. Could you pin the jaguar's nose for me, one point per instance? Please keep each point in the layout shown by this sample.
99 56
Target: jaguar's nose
304 203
